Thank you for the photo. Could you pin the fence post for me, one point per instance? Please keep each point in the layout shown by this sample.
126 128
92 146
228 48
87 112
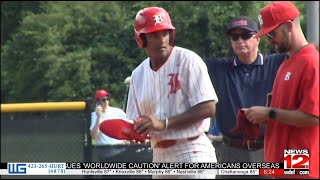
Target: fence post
87 143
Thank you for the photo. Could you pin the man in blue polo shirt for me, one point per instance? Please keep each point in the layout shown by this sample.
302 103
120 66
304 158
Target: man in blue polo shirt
241 81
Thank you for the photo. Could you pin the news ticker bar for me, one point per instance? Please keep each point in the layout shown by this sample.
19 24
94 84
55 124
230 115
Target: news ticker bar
165 169
144 165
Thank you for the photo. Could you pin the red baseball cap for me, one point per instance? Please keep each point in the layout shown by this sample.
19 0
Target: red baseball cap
274 14
101 93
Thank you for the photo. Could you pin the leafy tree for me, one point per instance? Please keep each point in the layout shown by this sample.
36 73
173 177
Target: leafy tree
66 51
11 14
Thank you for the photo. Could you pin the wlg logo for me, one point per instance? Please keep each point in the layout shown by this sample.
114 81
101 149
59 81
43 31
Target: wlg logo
17 168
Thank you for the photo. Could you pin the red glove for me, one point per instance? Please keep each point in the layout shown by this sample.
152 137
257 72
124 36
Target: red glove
249 130
121 129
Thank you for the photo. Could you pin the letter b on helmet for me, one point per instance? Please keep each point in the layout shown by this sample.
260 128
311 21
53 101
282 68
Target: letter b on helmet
150 20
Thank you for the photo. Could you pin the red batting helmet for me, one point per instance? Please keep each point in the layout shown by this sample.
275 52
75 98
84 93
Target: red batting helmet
101 94
149 20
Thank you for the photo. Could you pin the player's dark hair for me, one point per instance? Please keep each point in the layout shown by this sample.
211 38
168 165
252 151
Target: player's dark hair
144 39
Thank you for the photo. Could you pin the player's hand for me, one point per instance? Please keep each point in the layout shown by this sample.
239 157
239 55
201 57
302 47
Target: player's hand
145 125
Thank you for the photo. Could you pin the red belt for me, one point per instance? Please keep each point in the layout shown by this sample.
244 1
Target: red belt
168 143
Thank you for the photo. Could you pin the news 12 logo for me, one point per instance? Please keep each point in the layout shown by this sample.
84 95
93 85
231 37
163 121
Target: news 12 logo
17 168
296 159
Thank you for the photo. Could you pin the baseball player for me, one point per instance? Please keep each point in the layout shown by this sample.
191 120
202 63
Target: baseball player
173 91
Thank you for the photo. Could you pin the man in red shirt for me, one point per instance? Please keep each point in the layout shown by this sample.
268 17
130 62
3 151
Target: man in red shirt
293 117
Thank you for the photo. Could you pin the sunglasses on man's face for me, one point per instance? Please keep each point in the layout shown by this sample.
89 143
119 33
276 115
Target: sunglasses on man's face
104 99
271 34
244 36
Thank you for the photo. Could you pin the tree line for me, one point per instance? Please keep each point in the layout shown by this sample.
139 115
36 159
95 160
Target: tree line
65 51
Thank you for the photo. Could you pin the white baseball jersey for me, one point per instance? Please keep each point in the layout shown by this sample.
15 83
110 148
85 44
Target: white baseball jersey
111 113
182 82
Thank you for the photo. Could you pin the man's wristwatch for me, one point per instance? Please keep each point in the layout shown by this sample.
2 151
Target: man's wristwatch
272 114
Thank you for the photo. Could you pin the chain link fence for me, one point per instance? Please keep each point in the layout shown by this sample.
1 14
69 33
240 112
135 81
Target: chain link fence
61 136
